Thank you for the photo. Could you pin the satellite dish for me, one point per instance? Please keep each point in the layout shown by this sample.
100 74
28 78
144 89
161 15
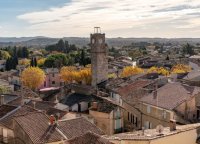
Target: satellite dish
159 129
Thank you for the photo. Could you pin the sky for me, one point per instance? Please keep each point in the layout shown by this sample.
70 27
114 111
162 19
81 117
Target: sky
117 18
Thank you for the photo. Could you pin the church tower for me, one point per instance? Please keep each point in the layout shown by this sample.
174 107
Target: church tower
99 59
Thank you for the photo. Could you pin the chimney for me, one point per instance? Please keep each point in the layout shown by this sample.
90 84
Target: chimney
34 103
155 94
1 99
52 120
172 125
94 105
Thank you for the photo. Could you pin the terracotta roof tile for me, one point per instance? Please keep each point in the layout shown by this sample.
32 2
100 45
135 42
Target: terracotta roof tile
88 138
171 95
5 109
128 88
36 126
47 107
77 127
7 121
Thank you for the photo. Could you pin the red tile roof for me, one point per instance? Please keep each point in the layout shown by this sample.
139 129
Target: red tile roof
171 95
88 138
47 107
128 88
77 127
5 109
8 121
36 126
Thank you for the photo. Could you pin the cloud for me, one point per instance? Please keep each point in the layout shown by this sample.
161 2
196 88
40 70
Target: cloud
78 17
178 8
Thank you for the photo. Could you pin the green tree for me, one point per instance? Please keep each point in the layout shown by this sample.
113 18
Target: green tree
82 60
188 49
25 52
56 60
4 55
61 47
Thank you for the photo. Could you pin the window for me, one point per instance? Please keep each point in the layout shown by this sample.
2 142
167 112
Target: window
136 121
148 125
93 41
53 82
118 124
128 117
133 119
100 41
148 109
117 114
45 84
53 75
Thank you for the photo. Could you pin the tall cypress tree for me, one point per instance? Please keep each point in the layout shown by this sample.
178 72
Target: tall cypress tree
35 62
82 60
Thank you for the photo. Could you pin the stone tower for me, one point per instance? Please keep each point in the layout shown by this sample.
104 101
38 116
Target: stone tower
99 59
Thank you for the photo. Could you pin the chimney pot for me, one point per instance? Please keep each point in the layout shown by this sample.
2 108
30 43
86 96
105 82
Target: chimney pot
52 120
94 105
172 125
2 99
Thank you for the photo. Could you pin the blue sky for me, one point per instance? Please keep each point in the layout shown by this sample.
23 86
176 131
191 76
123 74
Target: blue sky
10 9
127 18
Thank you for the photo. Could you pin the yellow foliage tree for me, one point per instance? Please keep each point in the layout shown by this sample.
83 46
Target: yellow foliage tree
33 77
180 68
159 70
86 75
41 61
68 73
71 74
24 61
129 71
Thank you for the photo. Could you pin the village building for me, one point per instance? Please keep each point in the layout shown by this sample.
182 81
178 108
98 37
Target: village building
57 109
173 101
36 127
53 78
7 113
184 134
107 116
89 138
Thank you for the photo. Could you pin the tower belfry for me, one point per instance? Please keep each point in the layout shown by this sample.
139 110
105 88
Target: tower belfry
99 59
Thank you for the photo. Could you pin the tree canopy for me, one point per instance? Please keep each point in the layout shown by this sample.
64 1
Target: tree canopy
180 68
71 74
56 60
130 70
159 70
33 77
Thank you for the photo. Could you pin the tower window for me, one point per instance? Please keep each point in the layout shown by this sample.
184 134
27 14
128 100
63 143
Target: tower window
93 41
100 41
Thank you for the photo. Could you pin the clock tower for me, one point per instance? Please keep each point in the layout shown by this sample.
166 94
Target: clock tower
99 59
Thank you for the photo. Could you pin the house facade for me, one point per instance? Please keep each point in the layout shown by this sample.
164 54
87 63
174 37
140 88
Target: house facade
107 117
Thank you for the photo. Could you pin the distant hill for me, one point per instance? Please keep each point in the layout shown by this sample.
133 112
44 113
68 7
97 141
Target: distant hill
117 42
